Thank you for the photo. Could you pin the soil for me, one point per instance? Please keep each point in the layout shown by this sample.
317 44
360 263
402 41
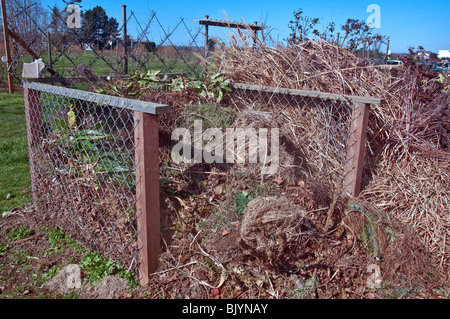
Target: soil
213 260
324 246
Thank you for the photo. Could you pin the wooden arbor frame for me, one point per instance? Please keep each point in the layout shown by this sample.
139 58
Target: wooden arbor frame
207 22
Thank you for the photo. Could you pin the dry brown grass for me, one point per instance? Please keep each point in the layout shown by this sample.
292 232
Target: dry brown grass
410 130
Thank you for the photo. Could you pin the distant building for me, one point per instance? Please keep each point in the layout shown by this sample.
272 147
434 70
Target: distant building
444 54
427 55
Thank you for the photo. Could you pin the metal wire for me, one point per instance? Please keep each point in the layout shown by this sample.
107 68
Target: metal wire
321 125
174 50
83 166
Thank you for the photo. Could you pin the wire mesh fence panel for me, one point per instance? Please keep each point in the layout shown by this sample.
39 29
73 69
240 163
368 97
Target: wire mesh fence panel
90 53
326 129
83 168
170 50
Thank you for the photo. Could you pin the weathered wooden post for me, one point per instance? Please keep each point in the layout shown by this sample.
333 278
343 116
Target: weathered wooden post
356 149
387 49
125 40
206 36
7 47
227 24
255 34
147 192
35 131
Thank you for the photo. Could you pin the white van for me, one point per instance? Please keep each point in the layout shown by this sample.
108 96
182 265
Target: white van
394 62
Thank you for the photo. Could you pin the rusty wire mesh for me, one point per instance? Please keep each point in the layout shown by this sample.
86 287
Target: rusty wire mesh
321 128
82 158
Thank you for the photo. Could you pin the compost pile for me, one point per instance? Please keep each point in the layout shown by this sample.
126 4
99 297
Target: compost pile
85 177
230 232
409 132
294 235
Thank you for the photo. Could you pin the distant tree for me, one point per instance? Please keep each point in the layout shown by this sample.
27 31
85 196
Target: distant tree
149 46
416 54
58 27
358 37
98 28
374 45
26 18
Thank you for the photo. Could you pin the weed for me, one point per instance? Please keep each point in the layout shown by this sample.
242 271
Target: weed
97 267
210 88
19 257
59 240
369 235
307 291
3 249
242 199
368 238
72 295
213 116
51 273
19 233
86 147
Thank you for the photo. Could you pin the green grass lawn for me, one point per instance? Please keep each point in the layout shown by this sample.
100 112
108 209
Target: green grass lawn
108 61
14 164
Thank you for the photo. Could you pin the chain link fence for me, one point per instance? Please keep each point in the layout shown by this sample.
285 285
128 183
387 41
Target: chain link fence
86 173
71 53
328 130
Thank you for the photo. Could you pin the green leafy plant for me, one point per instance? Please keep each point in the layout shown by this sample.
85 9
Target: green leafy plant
59 240
97 267
86 147
19 233
218 86
242 199
212 88
444 79
135 85
3 249
370 236
51 273
149 79
307 291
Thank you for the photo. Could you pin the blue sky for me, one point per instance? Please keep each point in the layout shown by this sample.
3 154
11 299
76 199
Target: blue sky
408 23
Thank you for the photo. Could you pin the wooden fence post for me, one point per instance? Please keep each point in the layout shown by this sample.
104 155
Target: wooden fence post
387 49
33 116
206 37
147 193
7 47
125 39
356 149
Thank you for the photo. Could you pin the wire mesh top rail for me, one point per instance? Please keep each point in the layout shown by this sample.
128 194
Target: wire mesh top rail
102 99
310 94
